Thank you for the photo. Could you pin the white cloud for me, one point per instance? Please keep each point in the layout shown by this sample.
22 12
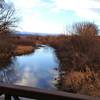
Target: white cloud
25 78
34 24
25 4
76 4
81 7
88 14
32 20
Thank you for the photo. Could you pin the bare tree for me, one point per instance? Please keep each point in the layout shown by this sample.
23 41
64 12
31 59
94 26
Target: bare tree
85 29
80 61
7 18
7 27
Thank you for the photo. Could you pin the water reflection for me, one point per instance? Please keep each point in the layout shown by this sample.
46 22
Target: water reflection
36 69
7 70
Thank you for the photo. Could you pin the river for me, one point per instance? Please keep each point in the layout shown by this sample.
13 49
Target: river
35 69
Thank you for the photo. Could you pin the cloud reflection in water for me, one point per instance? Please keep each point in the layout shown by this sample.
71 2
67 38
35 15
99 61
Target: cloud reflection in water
36 69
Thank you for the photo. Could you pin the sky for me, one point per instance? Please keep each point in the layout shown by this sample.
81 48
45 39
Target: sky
55 16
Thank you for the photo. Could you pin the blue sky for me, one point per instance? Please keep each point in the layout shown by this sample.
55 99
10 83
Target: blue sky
53 16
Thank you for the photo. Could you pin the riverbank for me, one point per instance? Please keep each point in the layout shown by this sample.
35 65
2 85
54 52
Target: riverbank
77 74
75 77
22 50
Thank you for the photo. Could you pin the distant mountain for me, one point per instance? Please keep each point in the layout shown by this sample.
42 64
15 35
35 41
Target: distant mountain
34 33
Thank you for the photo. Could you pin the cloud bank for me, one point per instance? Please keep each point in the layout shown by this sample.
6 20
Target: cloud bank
51 15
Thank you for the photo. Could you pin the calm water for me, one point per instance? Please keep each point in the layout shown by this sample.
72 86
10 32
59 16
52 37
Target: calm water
36 69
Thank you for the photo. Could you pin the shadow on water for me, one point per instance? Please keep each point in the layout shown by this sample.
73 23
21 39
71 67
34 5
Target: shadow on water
7 68
8 73
36 69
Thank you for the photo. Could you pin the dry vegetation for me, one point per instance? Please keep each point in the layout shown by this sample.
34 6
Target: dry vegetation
87 82
10 44
21 49
80 62
79 56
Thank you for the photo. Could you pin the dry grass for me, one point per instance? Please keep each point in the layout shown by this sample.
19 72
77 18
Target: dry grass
82 82
21 49
73 52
